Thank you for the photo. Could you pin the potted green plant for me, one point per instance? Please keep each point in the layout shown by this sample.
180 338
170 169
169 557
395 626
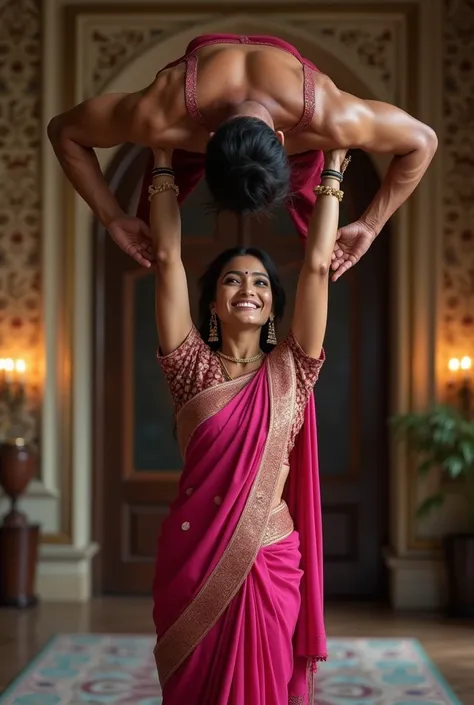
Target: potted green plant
444 440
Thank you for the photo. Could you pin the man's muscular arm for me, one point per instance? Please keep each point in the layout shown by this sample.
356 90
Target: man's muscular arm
341 120
105 121
380 128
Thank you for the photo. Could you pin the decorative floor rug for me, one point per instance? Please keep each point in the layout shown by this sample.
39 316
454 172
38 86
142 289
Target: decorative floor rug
106 669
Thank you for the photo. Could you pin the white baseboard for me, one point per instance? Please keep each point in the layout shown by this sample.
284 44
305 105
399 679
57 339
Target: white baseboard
416 583
64 573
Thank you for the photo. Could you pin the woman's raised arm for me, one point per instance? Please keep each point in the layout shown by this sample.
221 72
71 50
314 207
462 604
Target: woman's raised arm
172 310
311 303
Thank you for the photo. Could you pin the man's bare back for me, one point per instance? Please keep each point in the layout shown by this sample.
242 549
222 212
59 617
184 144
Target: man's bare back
228 75
243 79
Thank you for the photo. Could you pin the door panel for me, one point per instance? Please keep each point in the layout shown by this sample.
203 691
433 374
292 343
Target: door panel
137 462
351 404
147 408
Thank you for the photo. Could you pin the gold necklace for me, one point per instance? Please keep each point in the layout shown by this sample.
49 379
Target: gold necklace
241 360
226 372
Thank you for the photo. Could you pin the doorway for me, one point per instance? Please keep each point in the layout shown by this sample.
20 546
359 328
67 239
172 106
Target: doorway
137 463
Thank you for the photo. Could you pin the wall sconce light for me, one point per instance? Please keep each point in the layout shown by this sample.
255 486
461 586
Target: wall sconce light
12 378
460 382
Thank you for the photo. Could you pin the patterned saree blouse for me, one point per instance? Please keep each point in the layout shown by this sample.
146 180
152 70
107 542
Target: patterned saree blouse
194 367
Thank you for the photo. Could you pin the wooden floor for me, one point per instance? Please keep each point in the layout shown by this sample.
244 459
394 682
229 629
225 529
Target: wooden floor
450 645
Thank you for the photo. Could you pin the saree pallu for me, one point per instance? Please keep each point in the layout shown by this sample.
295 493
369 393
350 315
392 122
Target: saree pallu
232 604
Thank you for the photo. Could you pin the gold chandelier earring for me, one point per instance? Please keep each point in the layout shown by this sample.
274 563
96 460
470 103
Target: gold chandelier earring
271 337
213 332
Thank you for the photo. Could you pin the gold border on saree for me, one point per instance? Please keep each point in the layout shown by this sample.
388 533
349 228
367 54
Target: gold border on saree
280 525
204 405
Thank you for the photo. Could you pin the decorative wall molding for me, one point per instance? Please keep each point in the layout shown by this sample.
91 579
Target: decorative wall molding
113 45
371 44
20 208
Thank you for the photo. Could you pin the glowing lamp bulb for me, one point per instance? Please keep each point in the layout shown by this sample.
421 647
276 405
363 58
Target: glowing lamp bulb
454 364
466 363
20 366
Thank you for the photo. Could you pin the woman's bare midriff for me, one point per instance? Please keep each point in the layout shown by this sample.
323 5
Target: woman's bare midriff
284 472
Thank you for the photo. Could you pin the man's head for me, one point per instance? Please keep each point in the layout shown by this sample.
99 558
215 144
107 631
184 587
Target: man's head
247 169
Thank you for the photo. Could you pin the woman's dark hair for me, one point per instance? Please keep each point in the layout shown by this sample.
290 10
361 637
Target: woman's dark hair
247 169
208 288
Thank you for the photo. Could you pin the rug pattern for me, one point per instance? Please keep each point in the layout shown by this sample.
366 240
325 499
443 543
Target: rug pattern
75 669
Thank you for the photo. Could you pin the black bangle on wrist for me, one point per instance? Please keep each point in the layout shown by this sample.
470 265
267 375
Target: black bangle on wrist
162 171
331 174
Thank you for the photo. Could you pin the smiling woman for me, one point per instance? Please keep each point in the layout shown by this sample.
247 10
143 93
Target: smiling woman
241 280
238 582
242 305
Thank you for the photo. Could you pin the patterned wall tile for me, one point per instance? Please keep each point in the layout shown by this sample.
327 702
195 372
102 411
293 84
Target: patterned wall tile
20 208
19 174
373 46
112 46
458 262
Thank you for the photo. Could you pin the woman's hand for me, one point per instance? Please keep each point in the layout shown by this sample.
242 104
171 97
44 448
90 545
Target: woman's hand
333 159
353 240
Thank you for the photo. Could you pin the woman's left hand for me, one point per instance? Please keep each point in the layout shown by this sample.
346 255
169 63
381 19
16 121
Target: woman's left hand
352 240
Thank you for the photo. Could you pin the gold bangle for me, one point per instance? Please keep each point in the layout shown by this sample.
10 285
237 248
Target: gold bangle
164 186
329 191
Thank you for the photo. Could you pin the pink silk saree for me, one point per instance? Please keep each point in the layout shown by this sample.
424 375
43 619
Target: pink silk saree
238 592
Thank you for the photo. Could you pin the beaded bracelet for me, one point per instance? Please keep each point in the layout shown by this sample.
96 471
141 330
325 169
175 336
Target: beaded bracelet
165 186
345 163
329 191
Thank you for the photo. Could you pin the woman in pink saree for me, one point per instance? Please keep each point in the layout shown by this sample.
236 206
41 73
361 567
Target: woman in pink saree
238 591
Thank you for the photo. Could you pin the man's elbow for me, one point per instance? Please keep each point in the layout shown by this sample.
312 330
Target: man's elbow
427 140
59 132
55 130
62 142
